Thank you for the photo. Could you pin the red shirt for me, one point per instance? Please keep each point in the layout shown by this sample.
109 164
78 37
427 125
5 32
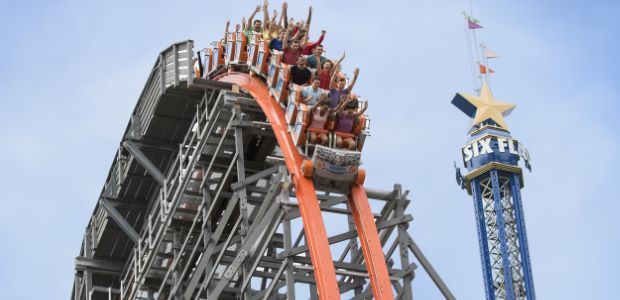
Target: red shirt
325 79
309 47
290 57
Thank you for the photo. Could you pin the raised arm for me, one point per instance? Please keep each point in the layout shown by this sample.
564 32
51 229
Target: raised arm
318 42
283 16
332 82
252 16
265 13
297 34
309 19
319 68
285 41
273 19
267 32
337 65
243 24
359 113
355 74
341 105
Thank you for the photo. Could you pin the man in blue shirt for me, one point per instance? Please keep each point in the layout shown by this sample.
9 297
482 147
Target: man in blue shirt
312 94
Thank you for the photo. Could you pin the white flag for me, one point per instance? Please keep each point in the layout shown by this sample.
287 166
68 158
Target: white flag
490 54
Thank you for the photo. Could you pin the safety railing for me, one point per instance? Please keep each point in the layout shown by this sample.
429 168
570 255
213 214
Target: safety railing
173 67
111 189
115 177
98 223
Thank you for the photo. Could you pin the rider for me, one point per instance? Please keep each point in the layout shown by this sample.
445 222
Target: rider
346 120
292 51
320 112
312 93
315 57
300 74
257 25
326 71
338 87
308 47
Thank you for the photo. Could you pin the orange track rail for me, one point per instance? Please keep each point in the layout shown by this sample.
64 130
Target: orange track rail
314 227
371 245
320 254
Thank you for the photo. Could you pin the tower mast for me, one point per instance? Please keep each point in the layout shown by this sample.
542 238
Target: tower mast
494 180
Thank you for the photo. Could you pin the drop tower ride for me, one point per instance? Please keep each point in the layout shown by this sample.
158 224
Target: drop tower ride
494 180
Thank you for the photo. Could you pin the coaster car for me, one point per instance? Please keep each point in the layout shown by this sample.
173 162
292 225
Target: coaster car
336 166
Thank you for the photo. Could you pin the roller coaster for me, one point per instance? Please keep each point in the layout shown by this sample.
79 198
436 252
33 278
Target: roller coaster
216 192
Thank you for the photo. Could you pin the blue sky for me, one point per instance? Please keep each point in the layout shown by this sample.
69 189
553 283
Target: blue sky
73 70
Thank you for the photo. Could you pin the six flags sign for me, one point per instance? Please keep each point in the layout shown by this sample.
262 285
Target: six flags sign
492 145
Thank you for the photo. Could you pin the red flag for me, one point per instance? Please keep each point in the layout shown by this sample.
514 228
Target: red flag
483 69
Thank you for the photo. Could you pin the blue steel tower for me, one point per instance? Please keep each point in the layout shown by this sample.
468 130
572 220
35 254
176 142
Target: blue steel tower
495 180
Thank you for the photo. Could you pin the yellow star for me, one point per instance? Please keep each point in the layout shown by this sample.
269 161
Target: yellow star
489 108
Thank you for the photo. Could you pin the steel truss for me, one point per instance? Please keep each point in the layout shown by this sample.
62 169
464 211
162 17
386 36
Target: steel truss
221 220
500 226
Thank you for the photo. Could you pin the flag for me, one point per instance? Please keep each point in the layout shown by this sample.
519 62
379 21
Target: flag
490 54
473 25
483 69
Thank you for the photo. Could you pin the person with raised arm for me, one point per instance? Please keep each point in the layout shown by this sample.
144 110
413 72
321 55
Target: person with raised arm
337 87
346 120
269 24
326 71
291 52
298 29
308 47
253 26
296 32
272 27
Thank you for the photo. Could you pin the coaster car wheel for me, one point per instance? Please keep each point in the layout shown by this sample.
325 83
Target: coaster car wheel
361 176
307 168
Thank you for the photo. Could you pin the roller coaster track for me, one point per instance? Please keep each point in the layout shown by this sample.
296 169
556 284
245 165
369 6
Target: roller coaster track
309 205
